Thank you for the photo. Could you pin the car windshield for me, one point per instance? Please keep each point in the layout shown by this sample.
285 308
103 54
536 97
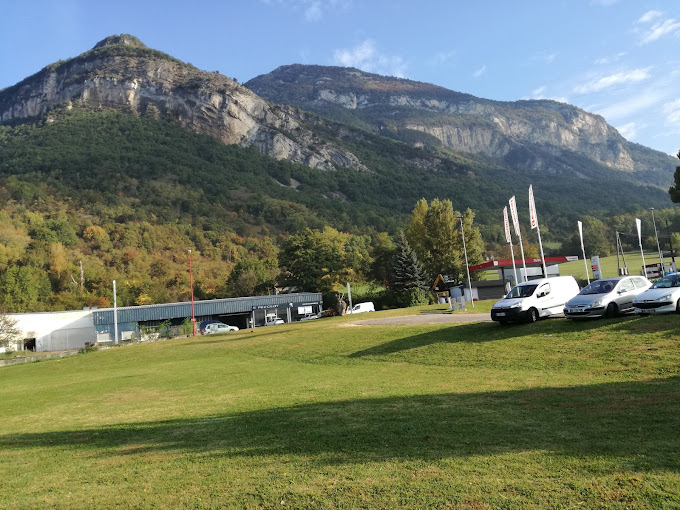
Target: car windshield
599 287
667 282
521 291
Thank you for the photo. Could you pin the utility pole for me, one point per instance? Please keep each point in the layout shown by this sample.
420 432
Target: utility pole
191 283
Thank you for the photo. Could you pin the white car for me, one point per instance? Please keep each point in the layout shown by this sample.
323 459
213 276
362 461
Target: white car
662 297
274 322
607 297
212 329
362 308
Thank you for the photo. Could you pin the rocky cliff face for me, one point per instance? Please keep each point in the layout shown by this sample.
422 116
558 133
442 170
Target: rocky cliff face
536 135
121 73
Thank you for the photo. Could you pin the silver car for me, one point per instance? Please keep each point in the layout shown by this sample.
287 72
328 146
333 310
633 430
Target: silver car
609 296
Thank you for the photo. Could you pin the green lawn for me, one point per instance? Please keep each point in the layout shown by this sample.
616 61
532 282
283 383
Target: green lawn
609 267
324 414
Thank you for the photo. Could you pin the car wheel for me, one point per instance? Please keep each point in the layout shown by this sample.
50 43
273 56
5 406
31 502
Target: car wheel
677 306
533 315
612 310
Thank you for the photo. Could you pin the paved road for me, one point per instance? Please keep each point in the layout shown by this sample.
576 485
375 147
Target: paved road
429 318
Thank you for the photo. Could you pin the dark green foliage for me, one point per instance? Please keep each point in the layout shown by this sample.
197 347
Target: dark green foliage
674 191
407 273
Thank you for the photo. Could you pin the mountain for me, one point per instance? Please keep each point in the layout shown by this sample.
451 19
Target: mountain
115 162
121 73
538 135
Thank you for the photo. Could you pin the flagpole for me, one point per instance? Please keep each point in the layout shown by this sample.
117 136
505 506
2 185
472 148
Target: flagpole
515 223
583 250
514 269
462 233
508 238
533 218
638 223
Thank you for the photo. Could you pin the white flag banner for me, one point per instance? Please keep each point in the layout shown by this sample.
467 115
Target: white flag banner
533 218
513 215
508 239
638 223
580 233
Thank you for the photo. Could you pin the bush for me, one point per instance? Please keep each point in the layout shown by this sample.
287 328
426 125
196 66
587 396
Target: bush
412 297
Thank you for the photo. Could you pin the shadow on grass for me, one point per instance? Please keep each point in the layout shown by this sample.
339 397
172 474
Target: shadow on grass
634 424
482 332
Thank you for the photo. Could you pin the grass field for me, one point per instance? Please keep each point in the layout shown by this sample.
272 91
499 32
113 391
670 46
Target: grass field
323 414
609 266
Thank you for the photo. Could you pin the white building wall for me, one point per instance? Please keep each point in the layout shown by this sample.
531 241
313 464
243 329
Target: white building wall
57 331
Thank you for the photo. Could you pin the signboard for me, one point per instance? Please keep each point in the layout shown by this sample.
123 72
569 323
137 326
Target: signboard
304 310
580 233
533 218
506 224
595 266
513 215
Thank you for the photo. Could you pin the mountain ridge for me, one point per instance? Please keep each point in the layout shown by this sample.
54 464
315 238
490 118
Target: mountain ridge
521 134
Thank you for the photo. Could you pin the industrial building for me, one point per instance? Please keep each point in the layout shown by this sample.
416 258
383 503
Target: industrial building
55 331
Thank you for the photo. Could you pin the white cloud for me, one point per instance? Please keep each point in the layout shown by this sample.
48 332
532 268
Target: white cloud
649 16
313 12
661 29
628 131
597 84
639 101
443 57
479 71
609 60
366 57
539 93
672 112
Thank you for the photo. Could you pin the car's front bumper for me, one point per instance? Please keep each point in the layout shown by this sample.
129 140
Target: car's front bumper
574 312
508 315
654 307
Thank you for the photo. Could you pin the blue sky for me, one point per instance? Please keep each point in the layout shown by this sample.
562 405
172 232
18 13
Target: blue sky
617 58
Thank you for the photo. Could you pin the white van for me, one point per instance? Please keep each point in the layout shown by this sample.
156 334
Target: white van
536 298
362 307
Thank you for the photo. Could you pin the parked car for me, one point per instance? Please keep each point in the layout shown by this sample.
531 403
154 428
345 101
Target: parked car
662 297
203 326
323 313
362 307
531 300
607 297
214 328
274 322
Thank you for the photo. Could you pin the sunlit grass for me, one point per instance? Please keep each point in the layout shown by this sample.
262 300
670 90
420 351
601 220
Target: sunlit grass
324 414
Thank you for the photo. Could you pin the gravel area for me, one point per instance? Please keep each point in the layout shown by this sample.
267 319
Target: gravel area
434 318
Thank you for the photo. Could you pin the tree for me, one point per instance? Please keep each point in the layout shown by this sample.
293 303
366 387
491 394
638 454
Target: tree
318 260
433 231
407 273
408 279
595 239
674 191
9 333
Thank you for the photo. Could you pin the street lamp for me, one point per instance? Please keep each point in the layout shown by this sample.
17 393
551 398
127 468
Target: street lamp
467 267
658 247
191 283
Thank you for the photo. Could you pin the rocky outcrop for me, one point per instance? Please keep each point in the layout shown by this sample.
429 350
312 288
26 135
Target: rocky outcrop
547 133
122 74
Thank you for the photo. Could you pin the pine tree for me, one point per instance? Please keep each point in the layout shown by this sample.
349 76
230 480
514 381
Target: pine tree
407 273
